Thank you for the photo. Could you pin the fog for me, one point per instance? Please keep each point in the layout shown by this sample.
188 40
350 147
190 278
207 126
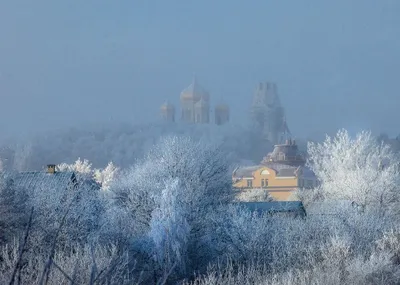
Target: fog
68 63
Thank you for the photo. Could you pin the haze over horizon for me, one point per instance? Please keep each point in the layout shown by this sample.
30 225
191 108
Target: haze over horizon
69 63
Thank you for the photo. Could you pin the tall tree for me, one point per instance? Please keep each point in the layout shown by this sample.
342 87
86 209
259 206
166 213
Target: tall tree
358 169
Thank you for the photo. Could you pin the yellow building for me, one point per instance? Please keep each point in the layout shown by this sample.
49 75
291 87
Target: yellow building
280 174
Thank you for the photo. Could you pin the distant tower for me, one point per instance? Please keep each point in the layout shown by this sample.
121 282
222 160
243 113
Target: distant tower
285 132
195 104
267 113
221 114
168 112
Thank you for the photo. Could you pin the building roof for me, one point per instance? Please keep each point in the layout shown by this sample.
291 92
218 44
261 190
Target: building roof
287 153
246 171
194 92
274 207
287 172
30 180
282 170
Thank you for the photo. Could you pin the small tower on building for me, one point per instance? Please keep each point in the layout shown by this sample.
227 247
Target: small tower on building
221 114
287 153
168 112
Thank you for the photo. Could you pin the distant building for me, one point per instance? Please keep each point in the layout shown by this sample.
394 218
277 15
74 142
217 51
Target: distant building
268 115
195 107
280 173
221 114
168 112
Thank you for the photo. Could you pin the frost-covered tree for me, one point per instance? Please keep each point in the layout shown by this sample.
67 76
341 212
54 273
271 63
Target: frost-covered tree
81 204
203 171
205 183
254 195
358 169
121 143
14 208
106 176
169 229
81 167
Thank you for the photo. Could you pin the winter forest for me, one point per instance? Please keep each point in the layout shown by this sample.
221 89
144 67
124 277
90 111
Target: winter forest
161 210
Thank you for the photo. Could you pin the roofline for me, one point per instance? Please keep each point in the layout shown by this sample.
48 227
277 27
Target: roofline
285 177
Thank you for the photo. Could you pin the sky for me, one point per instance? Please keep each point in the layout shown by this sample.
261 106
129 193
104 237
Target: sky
67 63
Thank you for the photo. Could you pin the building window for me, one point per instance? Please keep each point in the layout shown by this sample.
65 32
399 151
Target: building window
249 183
264 183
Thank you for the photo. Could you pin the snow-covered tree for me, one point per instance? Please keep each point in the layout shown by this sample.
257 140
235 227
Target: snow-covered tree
169 229
81 203
106 176
358 169
203 171
122 144
81 167
14 208
205 183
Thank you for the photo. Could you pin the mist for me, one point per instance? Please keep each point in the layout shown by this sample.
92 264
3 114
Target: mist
64 64
278 165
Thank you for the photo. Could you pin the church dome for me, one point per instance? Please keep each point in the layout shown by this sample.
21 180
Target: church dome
194 92
167 107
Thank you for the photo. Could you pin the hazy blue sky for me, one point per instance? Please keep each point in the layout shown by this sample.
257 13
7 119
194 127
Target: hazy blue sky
336 63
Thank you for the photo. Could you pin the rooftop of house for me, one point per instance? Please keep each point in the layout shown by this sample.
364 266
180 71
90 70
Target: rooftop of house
31 179
245 171
283 170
